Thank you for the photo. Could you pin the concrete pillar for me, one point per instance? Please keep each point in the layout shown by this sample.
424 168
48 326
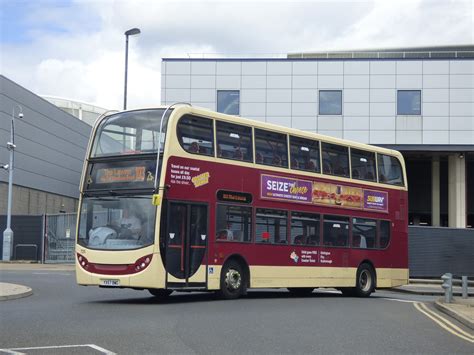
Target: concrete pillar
457 191
435 192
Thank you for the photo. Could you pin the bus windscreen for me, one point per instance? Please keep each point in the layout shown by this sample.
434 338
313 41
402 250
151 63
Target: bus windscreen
129 133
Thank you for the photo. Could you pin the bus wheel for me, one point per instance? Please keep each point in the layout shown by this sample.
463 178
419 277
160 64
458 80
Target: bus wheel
233 281
365 282
347 291
300 291
160 293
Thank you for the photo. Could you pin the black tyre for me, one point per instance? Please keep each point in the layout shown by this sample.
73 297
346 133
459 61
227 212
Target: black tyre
347 291
300 291
365 281
233 280
160 293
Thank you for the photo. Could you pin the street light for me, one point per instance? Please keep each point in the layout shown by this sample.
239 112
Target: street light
130 32
8 233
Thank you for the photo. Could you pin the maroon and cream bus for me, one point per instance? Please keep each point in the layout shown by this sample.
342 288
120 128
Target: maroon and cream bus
182 198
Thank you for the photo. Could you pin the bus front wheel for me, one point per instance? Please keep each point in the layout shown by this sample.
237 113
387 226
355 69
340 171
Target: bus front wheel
365 281
233 282
160 293
300 291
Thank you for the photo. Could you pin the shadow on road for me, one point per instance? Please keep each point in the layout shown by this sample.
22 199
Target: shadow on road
196 297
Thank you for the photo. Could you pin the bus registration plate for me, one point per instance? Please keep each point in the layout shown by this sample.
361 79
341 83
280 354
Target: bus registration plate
111 283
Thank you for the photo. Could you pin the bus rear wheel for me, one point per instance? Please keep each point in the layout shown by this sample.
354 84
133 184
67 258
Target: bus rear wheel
233 282
300 291
160 293
365 281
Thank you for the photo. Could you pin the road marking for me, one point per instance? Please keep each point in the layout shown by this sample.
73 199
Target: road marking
395 299
444 323
14 351
53 273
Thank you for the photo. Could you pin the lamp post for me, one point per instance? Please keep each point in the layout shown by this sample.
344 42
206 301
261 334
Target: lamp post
8 233
130 32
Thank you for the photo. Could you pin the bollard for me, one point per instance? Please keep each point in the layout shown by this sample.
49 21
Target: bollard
448 287
464 286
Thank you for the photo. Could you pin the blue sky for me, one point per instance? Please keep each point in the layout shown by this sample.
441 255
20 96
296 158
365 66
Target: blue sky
75 49
22 20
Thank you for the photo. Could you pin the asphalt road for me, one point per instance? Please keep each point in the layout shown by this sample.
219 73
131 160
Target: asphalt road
95 321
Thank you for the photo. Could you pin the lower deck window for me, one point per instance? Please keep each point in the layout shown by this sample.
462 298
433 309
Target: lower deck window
304 228
271 226
336 231
364 232
384 234
234 223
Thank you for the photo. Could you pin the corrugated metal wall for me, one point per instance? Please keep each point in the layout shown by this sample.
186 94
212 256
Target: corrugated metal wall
434 251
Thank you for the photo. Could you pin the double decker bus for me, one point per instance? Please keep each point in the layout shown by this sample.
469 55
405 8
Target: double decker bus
183 198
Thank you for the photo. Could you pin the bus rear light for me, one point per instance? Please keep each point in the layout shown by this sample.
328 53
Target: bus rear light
143 262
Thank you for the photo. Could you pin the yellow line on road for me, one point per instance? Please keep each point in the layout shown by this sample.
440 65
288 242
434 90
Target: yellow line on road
444 323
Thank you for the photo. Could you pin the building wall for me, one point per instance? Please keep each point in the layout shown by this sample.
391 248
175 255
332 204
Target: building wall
50 151
285 92
27 201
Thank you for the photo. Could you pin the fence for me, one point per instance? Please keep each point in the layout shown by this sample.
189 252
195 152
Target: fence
59 238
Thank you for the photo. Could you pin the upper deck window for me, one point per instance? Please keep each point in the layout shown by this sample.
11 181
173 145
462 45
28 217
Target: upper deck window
271 148
390 170
195 134
132 132
363 165
304 154
234 141
335 159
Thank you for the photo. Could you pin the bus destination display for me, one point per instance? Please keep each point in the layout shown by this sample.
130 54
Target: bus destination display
126 174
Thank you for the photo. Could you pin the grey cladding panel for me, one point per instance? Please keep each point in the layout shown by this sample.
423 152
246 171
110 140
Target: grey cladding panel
51 143
41 152
30 100
35 123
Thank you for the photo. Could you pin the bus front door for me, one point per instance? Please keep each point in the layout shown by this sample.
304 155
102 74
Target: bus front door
186 245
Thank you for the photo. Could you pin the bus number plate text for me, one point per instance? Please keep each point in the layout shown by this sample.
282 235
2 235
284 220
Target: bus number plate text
110 283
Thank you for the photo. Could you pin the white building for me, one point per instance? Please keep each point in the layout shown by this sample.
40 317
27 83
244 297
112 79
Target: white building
416 100
84 111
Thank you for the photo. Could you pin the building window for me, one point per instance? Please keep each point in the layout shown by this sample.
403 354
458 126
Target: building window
330 102
409 102
234 223
228 102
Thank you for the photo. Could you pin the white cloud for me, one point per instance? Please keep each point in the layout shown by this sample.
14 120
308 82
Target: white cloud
77 51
